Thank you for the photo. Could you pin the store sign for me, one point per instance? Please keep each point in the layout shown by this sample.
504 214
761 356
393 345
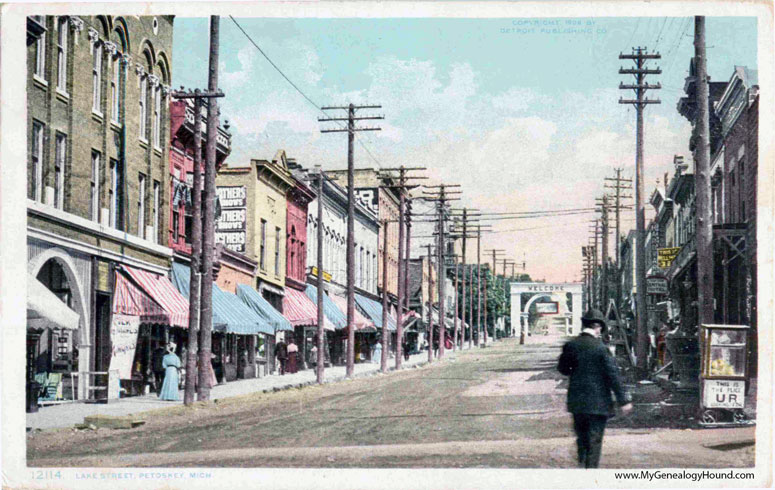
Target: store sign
719 393
123 338
326 275
656 285
547 308
103 276
665 256
231 226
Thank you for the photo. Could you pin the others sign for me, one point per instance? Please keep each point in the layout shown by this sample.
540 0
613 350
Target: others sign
123 337
231 226
719 393
656 285
665 256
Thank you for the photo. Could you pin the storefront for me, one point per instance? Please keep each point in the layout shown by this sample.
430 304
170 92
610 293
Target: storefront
147 314
373 310
234 328
365 331
302 313
272 317
336 341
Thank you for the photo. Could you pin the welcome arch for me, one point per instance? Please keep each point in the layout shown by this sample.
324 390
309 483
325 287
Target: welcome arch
519 315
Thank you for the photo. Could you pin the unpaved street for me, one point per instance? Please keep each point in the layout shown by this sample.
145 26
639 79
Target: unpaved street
502 406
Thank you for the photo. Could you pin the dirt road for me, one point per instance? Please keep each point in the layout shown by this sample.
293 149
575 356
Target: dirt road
497 407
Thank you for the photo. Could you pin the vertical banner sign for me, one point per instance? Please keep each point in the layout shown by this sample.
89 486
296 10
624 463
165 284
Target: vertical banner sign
123 337
231 226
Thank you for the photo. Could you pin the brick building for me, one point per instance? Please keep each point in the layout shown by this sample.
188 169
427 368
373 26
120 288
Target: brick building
97 176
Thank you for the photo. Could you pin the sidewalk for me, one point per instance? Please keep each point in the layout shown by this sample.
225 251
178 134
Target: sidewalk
67 415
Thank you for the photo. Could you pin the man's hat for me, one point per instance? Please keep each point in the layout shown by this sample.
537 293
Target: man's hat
594 316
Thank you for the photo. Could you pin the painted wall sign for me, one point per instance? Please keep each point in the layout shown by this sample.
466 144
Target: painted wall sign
123 338
369 198
231 225
665 256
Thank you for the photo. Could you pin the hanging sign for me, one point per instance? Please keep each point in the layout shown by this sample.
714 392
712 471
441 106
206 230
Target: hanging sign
123 337
656 285
719 393
665 256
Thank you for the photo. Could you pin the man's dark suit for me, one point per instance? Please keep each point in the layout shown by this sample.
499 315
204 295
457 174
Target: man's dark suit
593 376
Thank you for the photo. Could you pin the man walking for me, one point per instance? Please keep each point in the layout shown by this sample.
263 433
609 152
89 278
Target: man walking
593 376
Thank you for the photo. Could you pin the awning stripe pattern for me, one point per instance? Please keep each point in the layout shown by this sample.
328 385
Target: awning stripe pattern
164 293
330 310
374 310
230 314
299 309
263 308
129 299
360 322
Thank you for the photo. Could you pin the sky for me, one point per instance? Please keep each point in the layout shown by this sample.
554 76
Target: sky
522 113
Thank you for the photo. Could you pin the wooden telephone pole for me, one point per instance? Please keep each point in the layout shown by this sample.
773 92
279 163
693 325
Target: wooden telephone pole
350 130
430 306
195 279
619 184
603 203
702 183
401 187
442 197
640 56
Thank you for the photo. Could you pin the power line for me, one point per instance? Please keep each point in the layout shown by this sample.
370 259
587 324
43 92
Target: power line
296 87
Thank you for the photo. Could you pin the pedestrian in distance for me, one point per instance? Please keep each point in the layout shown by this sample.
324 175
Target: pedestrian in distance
593 377
171 363
405 348
376 354
281 354
293 353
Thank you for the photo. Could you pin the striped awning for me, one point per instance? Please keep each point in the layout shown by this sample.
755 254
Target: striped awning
374 310
360 322
130 299
164 293
230 314
263 308
300 310
331 311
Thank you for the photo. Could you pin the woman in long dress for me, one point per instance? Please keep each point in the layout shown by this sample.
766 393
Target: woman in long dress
293 351
171 364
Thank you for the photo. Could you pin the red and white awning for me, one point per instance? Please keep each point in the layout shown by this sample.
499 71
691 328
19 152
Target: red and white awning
150 296
300 310
360 322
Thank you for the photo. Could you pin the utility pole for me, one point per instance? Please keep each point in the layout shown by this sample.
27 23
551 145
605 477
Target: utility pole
442 196
383 362
208 244
702 184
320 366
195 280
401 188
430 306
463 300
604 259
408 252
478 284
594 297
457 306
640 56
619 184
350 130
467 218
495 252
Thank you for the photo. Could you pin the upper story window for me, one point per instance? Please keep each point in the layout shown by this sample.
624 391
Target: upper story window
37 161
141 206
143 107
116 195
115 88
156 208
40 52
95 185
262 249
157 117
97 77
62 35
59 171
277 233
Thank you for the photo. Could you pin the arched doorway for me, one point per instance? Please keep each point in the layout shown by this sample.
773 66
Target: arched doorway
60 350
